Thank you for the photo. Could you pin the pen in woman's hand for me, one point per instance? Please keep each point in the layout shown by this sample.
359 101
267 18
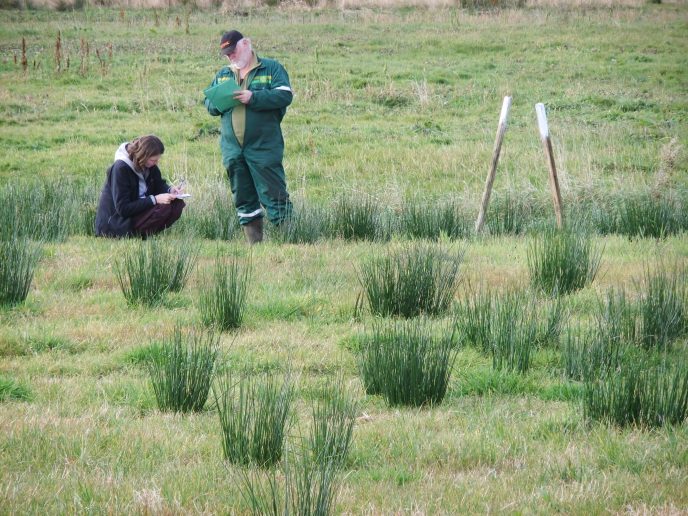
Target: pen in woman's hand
179 188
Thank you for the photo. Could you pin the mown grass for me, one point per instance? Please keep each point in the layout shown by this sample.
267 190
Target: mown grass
376 115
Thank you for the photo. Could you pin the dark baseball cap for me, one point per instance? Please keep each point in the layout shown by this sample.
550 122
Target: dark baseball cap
229 41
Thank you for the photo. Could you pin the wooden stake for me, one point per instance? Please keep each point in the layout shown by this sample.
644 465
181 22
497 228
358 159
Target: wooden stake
487 192
58 52
549 154
24 62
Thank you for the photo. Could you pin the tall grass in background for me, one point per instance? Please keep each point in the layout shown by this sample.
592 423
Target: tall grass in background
417 278
407 362
254 414
663 306
47 211
473 319
147 270
355 218
656 318
430 221
588 353
617 317
86 208
306 225
551 317
515 213
513 332
562 261
332 424
591 352
19 258
647 214
481 319
215 217
222 302
181 370
639 395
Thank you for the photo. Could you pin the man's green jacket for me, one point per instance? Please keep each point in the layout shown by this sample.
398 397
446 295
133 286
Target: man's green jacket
254 130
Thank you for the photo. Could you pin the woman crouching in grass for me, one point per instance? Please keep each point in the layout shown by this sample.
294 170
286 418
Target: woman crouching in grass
136 200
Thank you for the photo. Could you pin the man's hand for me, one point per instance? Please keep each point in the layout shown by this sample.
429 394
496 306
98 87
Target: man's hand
164 198
243 96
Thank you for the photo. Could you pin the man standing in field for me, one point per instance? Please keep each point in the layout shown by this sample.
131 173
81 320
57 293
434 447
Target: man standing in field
251 141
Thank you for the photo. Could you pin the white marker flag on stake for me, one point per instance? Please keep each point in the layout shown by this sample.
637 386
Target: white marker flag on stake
501 129
542 120
547 145
506 105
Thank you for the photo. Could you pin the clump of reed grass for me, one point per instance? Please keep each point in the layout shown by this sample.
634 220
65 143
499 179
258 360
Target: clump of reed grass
304 487
332 424
508 326
216 218
407 362
418 278
372 360
562 261
42 211
550 319
223 299
638 395
647 215
354 218
305 225
151 268
254 415
432 221
19 258
513 214
663 306
473 318
513 332
181 370
588 353
617 317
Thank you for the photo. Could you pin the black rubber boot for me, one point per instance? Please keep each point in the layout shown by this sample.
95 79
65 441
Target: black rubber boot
254 231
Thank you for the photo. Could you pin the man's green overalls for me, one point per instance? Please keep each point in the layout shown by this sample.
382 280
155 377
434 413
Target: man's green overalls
252 144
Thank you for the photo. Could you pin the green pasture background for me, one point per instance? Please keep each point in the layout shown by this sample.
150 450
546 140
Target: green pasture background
388 102
391 103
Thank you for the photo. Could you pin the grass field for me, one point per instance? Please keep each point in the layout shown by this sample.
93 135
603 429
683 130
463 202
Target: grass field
394 105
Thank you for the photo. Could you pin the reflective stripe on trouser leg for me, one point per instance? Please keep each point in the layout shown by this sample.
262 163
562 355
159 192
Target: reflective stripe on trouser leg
244 193
271 186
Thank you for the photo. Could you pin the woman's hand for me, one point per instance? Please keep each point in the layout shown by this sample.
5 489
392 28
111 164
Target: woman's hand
165 198
177 189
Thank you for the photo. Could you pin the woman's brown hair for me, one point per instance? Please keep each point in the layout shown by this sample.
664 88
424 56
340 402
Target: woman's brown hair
144 148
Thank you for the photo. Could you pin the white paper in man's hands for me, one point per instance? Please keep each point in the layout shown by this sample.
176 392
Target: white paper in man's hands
182 195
